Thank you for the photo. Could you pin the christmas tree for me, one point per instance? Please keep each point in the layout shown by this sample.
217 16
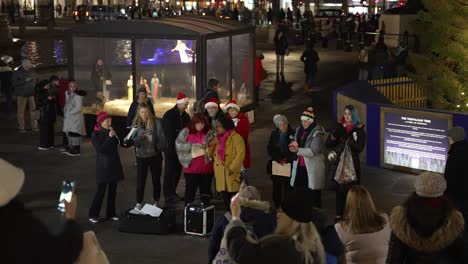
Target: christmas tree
441 66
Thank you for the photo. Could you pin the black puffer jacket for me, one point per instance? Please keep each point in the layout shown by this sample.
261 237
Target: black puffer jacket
26 240
173 122
456 174
338 145
432 236
47 107
278 146
108 165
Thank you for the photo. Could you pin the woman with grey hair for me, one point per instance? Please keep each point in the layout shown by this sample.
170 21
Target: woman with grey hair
277 148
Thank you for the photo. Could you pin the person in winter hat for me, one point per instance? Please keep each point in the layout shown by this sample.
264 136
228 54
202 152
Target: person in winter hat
212 111
73 119
456 169
25 239
242 126
277 148
427 228
108 167
141 98
174 120
254 212
309 164
348 131
294 241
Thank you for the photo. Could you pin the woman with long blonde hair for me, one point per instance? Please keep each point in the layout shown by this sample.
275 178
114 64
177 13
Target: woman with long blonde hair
149 143
364 232
295 241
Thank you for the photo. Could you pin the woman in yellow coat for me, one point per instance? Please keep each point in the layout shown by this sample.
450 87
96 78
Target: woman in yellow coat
227 150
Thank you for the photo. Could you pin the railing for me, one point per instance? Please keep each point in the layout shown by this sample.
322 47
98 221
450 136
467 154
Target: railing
402 91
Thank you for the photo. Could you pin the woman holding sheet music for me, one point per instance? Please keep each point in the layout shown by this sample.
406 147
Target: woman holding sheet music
198 170
277 147
149 143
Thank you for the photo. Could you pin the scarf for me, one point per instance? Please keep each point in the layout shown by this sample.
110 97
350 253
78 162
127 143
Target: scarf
222 144
348 127
304 133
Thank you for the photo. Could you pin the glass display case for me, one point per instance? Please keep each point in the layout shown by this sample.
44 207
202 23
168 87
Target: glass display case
165 56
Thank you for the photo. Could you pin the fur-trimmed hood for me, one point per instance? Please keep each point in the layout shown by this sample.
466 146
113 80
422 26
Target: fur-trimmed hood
255 204
440 239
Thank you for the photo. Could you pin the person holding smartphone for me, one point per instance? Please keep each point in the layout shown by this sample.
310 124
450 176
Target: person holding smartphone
25 239
108 167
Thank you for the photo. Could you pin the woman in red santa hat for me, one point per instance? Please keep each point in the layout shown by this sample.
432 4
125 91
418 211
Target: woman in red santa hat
242 128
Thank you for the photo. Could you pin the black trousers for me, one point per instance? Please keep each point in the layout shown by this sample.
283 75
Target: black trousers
227 196
154 164
341 193
194 182
281 187
46 134
302 181
172 173
99 197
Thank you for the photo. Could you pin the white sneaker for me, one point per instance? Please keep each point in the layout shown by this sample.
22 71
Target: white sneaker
41 148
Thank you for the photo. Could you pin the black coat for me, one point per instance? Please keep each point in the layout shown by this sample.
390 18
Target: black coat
173 123
310 58
132 111
27 240
444 245
278 146
47 107
108 165
456 174
281 44
338 145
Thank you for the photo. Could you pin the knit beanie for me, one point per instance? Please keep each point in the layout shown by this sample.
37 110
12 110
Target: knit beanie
456 133
102 116
279 118
308 115
141 90
430 185
228 124
297 205
11 181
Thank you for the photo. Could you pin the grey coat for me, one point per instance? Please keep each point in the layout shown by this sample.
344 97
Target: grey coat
73 120
314 157
21 85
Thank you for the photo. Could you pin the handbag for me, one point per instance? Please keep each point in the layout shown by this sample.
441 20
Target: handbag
345 172
92 252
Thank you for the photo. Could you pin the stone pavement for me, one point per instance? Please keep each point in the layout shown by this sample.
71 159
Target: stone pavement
46 169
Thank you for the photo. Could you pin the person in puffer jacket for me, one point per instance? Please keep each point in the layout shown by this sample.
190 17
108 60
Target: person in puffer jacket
191 151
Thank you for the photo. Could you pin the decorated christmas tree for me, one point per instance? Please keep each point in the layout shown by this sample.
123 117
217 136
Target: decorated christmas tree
441 66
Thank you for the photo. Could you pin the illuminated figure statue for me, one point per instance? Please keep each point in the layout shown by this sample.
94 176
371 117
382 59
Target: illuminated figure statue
130 88
182 48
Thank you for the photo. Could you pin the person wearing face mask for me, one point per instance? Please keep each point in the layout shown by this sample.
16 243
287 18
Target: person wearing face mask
227 150
349 130
278 151
73 119
198 171
108 167
309 164
242 127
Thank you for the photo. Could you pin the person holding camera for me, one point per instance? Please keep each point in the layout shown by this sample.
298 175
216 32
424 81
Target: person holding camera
25 238
108 167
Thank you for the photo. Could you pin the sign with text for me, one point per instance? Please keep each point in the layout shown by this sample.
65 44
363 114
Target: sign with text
415 141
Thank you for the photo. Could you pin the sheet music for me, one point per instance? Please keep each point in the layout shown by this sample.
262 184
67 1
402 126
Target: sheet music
281 170
130 134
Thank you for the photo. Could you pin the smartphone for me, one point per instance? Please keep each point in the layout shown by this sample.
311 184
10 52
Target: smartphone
68 187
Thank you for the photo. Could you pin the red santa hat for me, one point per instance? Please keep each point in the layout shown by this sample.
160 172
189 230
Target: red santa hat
181 98
232 104
211 102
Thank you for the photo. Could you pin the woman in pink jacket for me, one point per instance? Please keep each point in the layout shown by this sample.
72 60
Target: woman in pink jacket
198 170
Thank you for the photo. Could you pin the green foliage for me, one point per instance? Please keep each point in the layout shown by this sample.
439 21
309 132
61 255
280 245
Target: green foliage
441 66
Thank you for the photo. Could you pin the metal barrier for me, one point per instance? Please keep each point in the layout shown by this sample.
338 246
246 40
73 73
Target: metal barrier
402 91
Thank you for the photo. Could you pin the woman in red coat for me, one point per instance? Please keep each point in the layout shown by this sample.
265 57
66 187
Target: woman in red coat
242 127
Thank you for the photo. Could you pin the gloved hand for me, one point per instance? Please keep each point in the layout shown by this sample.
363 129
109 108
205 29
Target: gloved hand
355 136
332 156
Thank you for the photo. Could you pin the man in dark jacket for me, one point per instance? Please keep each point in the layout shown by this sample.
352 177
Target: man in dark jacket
24 82
310 58
253 213
24 238
5 82
46 95
456 169
174 120
212 92
281 50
